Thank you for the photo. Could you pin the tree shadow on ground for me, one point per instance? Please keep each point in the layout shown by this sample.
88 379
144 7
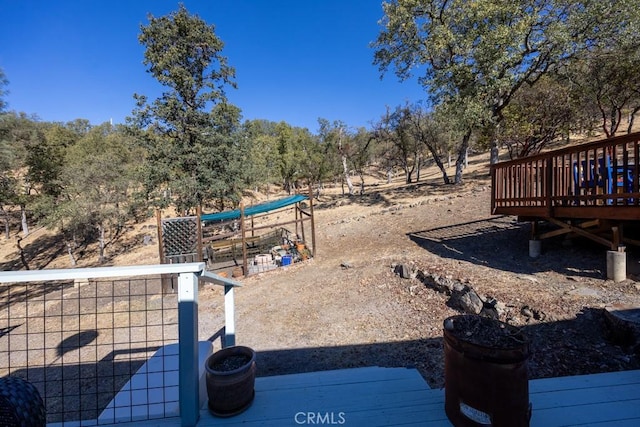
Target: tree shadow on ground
21 293
388 197
501 242
38 254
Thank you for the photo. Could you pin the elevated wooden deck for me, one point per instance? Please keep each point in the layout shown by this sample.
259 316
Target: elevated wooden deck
588 186
400 397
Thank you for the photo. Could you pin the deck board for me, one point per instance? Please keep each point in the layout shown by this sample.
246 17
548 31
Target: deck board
584 381
362 396
384 396
376 396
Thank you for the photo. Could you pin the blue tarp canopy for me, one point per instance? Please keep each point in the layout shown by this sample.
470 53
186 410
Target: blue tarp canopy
254 210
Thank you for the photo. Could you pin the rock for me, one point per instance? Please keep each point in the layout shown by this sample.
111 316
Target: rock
469 301
490 312
434 282
404 271
623 325
526 311
147 240
539 315
489 308
346 265
500 308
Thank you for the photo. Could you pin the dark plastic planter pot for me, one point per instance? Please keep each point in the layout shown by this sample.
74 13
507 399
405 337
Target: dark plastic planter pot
230 392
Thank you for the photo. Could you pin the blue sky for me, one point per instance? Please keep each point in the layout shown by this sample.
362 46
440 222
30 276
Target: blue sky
295 61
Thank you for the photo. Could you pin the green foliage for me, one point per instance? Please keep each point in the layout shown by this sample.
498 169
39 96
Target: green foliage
474 56
263 153
395 131
97 174
45 158
334 154
537 115
605 81
96 180
432 131
194 155
291 143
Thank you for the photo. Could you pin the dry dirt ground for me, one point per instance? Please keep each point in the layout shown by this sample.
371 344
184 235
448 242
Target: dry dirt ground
347 307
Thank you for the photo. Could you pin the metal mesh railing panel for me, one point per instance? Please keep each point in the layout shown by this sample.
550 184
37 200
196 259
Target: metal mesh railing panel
80 342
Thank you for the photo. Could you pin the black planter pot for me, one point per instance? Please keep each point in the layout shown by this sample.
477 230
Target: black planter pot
231 374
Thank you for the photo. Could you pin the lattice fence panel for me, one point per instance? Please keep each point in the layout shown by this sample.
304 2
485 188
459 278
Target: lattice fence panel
180 236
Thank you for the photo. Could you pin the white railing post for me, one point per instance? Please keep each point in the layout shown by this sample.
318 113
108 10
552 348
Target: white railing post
229 317
188 346
229 305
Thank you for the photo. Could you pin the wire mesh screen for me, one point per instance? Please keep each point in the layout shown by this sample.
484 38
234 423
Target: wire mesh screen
80 343
180 239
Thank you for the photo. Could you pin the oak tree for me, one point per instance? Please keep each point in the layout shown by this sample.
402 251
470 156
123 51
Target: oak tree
475 55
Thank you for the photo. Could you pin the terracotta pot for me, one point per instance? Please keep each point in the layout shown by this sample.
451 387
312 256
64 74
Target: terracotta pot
231 374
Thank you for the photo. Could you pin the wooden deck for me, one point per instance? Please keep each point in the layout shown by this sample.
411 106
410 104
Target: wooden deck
400 397
588 189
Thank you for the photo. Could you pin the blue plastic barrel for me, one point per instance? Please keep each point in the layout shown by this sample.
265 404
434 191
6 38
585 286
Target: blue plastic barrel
286 260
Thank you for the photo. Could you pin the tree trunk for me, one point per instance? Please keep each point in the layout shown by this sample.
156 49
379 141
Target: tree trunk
72 258
440 164
495 151
25 224
101 243
462 154
466 157
443 170
345 166
7 226
389 175
347 178
632 117
23 259
408 172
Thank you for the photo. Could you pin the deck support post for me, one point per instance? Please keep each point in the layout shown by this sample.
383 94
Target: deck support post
617 265
535 248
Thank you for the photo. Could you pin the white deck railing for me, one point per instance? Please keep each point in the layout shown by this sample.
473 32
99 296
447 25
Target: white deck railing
188 277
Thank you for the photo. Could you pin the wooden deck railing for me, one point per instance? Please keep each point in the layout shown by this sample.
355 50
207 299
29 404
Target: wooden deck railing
594 180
